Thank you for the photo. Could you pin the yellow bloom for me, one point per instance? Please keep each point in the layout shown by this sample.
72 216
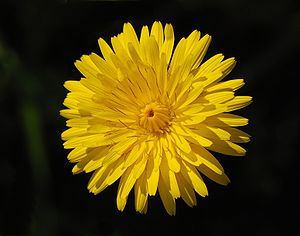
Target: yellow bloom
148 115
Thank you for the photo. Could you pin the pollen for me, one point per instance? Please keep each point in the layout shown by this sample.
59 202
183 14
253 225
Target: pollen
156 118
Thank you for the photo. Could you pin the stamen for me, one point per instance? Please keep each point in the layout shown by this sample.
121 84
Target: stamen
156 117
150 113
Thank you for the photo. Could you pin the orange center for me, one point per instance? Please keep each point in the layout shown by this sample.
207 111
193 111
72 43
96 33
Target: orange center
155 117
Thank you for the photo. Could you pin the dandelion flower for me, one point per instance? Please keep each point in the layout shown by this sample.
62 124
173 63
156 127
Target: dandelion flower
148 116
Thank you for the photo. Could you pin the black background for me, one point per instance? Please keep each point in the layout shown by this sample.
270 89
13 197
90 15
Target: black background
40 40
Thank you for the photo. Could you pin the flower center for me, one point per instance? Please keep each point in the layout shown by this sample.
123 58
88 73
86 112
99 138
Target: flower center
155 117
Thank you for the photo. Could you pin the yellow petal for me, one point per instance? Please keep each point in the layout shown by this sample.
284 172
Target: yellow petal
218 178
191 158
105 50
216 98
82 141
118 150
173 163
209 65
157 32
152 168
128 180
238 102
191 41
227 147
96 157
103 66
169 178
186 191
197 48
117 171
162 75
237 136
207 159
180 142
152 177
168 44
226 119
81 122
92 160
95 85
141 193
209 132
70 113
153 53
105 176
113 116
130 35
119 49
143 43
191 96
227 85
77 154
157 154
195 136
226 66
134 154
172 82
201 49
76 86
97 182
86 69
144 210
126 183
192 176
139 166
208 111
166 197
178 55
96 140
134 54
73 132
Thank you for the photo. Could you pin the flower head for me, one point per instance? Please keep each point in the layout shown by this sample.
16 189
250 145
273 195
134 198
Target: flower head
148 116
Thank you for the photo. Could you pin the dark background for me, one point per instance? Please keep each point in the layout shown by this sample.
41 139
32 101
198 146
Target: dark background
40 40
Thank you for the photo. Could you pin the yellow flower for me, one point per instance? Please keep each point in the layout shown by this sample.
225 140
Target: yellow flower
148 115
